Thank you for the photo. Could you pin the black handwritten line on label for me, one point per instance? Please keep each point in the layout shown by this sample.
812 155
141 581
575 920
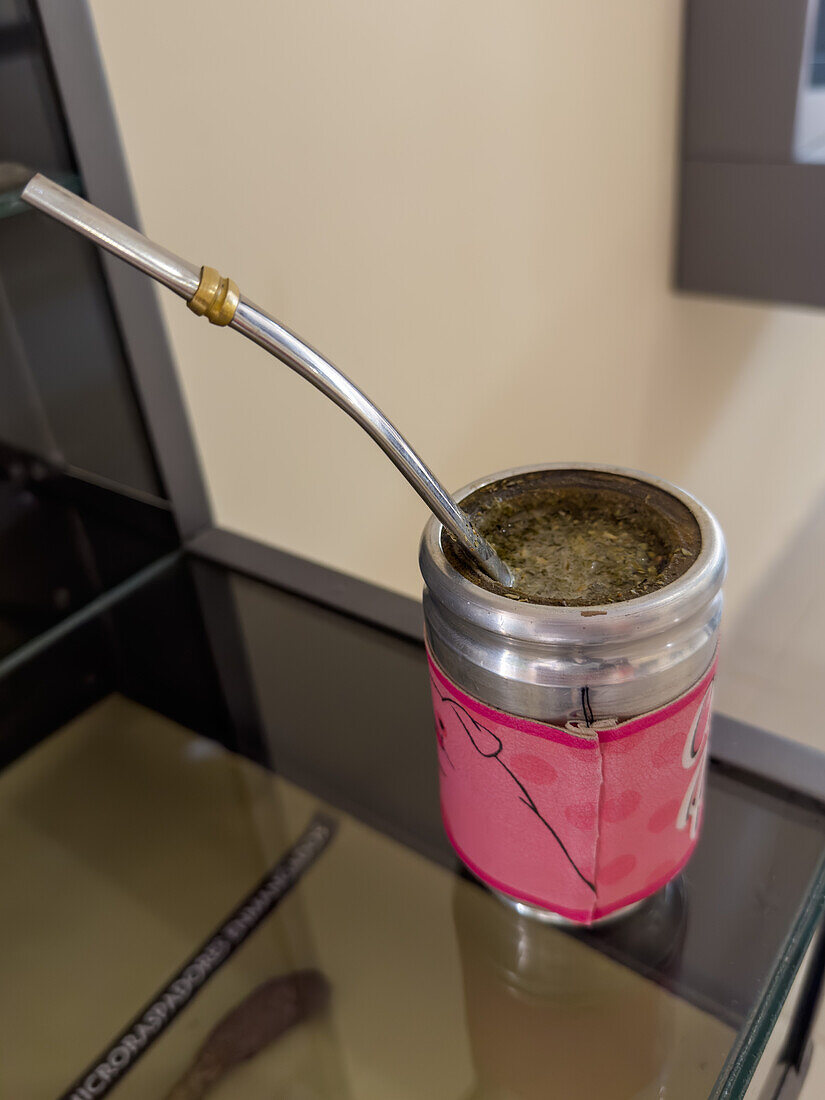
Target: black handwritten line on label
149 1024
491 750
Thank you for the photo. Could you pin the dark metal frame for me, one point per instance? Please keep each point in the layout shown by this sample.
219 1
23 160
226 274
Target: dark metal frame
788 1075
81 83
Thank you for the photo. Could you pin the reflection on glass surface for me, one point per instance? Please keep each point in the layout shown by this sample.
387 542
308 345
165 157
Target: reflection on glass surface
548 1016
126 840
434 984
94 920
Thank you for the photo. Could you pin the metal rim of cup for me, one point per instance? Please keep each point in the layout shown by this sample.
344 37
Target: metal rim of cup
639 617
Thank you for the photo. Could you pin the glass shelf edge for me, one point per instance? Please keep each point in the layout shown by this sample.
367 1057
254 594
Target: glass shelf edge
744 1056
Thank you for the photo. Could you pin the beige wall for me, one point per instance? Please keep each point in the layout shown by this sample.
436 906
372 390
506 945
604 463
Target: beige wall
468 207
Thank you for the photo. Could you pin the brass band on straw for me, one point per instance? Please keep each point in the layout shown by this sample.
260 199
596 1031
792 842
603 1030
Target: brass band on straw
216 298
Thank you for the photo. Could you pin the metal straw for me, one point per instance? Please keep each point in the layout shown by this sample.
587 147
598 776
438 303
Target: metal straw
220 300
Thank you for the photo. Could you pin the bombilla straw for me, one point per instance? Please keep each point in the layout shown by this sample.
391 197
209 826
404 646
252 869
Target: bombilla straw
207 293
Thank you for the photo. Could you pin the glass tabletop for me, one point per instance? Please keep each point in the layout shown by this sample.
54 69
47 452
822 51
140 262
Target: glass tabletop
226 715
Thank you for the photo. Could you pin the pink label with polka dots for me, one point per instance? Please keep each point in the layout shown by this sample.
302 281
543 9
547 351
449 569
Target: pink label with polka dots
583 821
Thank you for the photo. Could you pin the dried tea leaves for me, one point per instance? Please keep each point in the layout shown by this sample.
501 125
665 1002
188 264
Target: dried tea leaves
577 545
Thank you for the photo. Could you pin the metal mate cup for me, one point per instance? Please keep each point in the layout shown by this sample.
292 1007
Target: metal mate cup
572 741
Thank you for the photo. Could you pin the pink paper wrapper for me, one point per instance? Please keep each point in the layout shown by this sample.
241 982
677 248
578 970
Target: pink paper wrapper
580 821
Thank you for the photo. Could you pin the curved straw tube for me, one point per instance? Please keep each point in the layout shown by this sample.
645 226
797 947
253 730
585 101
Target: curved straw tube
221 302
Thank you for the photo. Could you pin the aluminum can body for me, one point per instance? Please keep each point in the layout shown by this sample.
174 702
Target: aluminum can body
572 741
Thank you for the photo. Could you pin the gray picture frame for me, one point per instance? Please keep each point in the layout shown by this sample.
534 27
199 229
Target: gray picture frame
751 213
